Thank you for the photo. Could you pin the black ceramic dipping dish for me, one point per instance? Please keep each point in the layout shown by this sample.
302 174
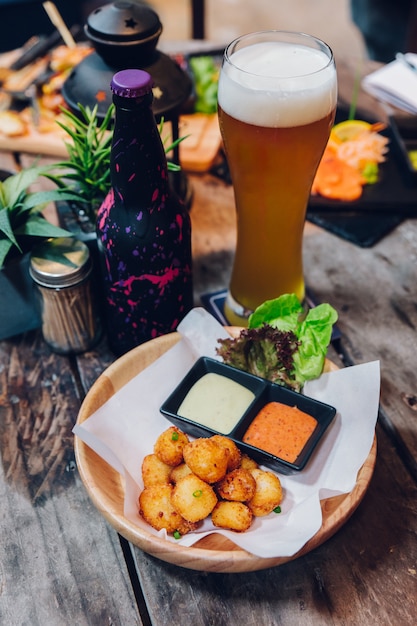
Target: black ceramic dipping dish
264 392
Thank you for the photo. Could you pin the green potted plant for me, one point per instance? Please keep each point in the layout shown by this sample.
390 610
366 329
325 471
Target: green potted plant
87 168
22 225
21 220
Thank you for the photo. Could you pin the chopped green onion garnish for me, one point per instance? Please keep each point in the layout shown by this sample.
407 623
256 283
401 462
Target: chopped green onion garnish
198 493
277 509
177 534
370 173
175 436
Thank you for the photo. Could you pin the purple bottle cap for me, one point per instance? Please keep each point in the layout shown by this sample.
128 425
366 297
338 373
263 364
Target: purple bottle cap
131 83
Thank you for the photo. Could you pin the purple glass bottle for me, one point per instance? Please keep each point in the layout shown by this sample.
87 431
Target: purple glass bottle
143 230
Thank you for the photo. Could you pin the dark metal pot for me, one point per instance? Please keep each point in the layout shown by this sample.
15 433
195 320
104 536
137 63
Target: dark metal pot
125 35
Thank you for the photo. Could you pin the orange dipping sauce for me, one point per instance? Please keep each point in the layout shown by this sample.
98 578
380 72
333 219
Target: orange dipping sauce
280 430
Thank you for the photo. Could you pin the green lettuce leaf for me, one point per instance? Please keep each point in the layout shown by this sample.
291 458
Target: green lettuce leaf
264 351
313 330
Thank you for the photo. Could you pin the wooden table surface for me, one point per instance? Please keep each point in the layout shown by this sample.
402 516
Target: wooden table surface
61 563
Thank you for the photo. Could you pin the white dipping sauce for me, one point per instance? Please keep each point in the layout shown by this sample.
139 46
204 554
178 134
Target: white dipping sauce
217 402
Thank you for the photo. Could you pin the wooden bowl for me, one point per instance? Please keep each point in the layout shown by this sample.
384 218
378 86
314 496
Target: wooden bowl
213 553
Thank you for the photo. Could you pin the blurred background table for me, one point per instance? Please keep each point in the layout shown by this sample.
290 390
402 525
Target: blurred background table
62 564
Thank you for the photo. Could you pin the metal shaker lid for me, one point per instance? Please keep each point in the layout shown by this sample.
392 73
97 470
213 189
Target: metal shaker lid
60 262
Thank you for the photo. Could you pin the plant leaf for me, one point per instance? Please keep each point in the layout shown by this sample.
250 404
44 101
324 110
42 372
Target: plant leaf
38 226
58 256
6 227
41 198
18 183
5 246
313 330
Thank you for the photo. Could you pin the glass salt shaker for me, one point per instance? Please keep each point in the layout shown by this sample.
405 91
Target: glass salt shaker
61 270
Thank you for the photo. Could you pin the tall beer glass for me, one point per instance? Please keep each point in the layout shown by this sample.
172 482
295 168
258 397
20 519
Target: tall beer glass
276 101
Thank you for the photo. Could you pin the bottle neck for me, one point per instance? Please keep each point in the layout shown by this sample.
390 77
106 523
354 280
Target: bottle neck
138 162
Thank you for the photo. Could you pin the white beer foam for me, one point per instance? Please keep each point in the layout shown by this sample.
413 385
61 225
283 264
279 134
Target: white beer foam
278 85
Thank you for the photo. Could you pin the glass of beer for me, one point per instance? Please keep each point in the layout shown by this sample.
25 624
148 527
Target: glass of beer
276 101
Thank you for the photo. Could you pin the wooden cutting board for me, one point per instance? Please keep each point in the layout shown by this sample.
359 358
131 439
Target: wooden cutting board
197 152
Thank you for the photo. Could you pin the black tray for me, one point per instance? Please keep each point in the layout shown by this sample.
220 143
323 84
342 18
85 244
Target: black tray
393 194
362 230
380 209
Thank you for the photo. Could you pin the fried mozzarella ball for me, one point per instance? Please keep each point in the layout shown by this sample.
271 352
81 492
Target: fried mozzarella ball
247 463
235 516
178 472
155 471
169 446
238 485
193 498
234 452
268 493
156 508
207 459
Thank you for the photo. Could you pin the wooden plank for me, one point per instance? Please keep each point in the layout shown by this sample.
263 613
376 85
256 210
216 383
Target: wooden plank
60 562
350 578
213 221
373 289
351 575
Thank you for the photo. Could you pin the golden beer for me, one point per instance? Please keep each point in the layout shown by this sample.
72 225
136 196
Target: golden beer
277 99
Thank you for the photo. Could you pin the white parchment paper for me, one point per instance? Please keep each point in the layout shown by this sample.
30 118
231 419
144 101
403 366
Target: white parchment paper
125 428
